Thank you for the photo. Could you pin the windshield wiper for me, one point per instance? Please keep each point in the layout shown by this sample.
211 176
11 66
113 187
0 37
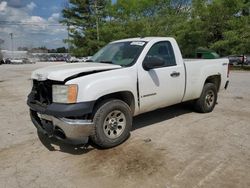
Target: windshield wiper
109 62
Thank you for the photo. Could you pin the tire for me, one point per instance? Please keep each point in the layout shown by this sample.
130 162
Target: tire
113 122
207 100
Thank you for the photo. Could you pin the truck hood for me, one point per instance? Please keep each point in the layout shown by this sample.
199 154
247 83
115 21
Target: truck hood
62 72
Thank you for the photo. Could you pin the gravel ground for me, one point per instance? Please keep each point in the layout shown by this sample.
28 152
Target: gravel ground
172 147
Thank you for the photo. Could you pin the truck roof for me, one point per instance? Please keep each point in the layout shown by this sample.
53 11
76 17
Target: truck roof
145 39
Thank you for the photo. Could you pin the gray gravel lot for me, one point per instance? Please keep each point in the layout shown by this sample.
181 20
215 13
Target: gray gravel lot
172 147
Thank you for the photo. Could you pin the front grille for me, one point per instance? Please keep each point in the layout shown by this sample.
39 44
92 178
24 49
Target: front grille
42 91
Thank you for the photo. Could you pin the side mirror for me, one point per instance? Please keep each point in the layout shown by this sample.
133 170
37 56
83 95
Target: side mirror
151 62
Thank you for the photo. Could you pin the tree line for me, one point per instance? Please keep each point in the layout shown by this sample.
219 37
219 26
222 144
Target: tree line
220 25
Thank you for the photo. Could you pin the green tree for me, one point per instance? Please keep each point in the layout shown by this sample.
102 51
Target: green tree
139 18
83 18
221 25
236 36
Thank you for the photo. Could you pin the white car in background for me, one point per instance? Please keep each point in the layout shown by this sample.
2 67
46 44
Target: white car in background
80 59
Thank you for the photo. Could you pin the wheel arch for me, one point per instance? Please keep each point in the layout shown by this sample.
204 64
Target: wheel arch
214 79
125 96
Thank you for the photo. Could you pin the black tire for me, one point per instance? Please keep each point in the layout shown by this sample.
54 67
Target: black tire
207 100
102 118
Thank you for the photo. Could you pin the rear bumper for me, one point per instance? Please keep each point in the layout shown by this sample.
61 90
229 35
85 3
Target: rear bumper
67 130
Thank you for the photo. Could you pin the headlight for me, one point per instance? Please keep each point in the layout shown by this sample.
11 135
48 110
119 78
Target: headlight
64 93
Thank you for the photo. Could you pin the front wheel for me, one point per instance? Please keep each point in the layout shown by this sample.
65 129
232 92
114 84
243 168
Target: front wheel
113 122
207 100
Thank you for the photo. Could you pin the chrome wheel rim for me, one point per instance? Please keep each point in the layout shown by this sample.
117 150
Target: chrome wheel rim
209 100
114 124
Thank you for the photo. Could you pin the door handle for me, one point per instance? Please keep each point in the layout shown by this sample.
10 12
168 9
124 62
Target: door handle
175 74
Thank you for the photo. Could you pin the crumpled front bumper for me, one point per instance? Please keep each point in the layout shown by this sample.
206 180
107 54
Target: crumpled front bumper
74 131
55 120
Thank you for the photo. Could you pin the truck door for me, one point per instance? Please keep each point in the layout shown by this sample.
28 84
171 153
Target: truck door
164 85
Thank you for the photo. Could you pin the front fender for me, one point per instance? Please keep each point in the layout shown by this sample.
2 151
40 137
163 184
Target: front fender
94 86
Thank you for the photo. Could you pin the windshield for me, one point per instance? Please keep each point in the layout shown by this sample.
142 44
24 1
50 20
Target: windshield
120 53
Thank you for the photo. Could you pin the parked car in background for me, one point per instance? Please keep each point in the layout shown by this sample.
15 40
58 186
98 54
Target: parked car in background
34 60
87 58
237 59
18 61
27 61
7 61
248 60
73 59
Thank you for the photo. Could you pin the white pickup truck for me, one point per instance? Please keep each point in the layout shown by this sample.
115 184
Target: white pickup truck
98 99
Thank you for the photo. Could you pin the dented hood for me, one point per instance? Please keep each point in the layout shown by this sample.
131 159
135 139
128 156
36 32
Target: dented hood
62 72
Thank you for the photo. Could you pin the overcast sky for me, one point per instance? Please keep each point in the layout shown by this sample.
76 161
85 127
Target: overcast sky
33 23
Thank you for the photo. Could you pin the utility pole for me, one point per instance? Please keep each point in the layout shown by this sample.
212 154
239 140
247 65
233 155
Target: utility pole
97 20
68 38
12 46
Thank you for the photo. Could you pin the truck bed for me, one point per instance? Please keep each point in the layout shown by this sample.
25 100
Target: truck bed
197 70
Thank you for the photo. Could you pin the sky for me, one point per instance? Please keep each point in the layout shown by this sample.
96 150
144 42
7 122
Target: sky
34 23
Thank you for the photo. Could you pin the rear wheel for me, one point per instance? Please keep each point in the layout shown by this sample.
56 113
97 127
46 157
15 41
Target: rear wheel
207 100
113 122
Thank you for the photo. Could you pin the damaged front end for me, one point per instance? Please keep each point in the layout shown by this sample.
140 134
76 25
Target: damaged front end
67 122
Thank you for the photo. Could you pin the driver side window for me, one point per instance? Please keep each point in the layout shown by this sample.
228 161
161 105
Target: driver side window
164 51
